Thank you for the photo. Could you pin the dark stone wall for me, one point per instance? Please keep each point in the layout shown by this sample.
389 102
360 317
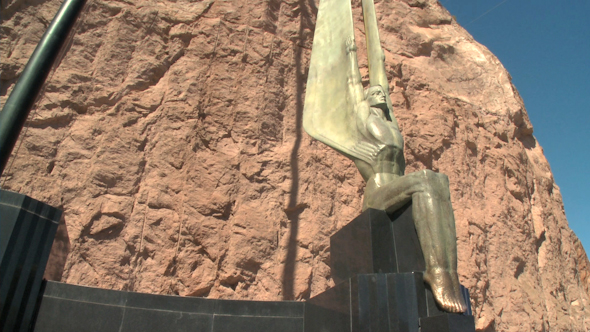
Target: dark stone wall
67 308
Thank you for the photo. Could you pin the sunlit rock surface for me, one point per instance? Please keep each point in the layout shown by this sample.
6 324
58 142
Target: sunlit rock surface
171 137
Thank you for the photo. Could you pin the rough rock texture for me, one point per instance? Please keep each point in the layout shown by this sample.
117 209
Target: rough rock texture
171 137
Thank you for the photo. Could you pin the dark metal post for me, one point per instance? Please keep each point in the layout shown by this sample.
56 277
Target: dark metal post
23 96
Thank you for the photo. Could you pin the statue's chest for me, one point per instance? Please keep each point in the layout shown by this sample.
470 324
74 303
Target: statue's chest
398 139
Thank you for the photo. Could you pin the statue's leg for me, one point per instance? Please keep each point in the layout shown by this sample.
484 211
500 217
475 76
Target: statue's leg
435 224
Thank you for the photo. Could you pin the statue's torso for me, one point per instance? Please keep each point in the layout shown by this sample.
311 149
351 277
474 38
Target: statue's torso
390 161
394 140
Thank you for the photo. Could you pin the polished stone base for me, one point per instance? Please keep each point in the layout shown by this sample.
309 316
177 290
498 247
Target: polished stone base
71 308
376 258
27 229
369 302
377 263
448 323
381 302
375 242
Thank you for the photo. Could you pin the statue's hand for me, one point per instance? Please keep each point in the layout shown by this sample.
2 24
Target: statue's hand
350 44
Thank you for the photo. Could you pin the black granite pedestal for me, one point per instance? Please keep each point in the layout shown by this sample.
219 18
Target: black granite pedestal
71 308
377 264
376 260
27 229
375 242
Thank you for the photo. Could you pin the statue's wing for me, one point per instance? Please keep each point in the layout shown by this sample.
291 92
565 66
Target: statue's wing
329 112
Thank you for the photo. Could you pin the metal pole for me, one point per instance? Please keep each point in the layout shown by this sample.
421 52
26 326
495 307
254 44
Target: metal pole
23 96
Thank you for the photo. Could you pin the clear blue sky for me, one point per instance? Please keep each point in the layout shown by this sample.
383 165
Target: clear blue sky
545 46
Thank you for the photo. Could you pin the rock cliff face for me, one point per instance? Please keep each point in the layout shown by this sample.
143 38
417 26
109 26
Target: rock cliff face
171 136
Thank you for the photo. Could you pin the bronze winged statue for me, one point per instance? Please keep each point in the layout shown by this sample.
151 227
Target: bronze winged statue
361 125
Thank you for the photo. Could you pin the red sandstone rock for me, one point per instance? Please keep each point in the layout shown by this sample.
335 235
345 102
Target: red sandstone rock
170 135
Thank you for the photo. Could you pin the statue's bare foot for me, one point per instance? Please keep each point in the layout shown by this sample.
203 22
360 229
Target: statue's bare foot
446 289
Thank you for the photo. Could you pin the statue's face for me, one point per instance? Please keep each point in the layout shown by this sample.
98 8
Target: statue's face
376 96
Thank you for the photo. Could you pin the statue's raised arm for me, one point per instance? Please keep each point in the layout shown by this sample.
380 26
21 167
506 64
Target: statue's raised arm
361 125
376 56
334 91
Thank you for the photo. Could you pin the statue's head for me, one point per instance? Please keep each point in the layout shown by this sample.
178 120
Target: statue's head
375 95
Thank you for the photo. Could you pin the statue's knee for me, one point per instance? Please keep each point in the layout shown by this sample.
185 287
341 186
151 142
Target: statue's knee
434 183
443 178
428 176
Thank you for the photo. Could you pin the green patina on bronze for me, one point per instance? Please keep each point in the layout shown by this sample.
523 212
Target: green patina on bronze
361 125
